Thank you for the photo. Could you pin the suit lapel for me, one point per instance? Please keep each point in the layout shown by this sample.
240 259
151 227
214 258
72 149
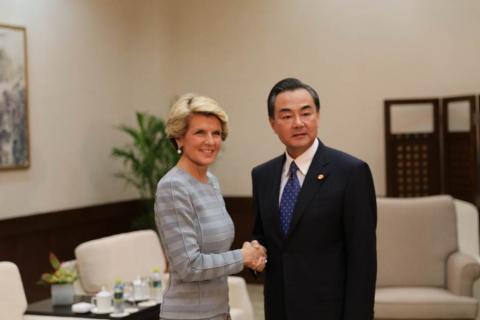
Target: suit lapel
274 213
311 185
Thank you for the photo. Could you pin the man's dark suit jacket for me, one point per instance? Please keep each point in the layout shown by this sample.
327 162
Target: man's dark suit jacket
325 268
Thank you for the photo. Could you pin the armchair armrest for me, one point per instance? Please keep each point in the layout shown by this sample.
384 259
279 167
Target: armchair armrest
462 270
238 314
77 286
239 298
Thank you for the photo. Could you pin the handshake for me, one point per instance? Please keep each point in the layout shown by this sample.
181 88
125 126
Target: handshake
254 255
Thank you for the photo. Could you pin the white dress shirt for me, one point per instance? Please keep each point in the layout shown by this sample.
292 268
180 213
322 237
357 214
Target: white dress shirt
303 162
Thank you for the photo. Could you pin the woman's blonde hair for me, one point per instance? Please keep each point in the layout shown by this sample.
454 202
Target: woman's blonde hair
188 104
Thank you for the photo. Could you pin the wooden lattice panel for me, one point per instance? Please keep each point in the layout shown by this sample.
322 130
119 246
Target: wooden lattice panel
460 167
460 152
413 173
413 159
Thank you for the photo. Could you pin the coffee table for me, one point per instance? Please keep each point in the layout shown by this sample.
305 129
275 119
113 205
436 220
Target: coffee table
45 308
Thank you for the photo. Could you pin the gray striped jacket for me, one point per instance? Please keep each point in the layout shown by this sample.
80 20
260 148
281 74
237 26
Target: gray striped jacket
196 232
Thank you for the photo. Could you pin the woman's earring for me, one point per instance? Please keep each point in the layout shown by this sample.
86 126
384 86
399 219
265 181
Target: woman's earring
179 150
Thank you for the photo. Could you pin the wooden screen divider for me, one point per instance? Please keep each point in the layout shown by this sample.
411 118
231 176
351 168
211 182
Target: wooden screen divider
461 153
413 169
443 161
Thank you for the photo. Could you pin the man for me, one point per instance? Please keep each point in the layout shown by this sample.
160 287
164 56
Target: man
315 213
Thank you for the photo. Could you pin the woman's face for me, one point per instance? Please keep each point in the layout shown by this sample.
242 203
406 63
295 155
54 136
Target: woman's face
202 141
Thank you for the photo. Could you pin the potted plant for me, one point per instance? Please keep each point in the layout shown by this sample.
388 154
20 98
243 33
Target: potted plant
146 159
60 280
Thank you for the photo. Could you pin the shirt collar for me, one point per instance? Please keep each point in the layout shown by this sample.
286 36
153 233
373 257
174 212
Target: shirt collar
303 161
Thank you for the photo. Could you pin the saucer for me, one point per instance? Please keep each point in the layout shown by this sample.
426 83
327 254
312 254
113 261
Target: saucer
131 309
97 311
145 304
136 300
119 315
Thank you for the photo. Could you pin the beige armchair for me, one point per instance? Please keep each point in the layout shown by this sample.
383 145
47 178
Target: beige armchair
133 254
127 255
12 297
13 302
421 272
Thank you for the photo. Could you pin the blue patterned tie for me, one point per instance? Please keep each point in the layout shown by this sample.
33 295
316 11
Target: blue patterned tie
289 198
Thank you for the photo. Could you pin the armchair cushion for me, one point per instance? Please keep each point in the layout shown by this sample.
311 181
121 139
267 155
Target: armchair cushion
415 238
422 303
12 297
123 256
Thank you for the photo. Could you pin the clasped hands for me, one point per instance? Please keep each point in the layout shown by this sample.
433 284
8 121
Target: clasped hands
254 255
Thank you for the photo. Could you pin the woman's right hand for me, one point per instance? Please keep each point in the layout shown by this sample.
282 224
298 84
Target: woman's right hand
254 256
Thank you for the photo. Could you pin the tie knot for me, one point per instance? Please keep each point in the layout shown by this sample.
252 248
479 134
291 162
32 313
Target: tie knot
293 169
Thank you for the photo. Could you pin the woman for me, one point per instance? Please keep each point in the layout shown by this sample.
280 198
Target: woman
194 226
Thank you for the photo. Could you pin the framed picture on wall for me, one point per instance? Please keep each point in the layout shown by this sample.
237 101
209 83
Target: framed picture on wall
14 132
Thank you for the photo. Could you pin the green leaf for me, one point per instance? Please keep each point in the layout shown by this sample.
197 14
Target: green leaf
134 134
54 262
46 278
60 275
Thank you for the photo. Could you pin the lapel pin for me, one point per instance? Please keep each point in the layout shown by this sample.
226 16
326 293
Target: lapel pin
321 176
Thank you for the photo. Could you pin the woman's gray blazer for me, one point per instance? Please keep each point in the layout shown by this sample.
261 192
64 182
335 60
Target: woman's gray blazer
196 233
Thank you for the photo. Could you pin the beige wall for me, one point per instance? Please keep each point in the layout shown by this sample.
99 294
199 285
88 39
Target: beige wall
91 64
94 62
355 53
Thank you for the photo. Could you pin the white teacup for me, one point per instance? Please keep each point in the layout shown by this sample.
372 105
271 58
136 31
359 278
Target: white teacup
103 301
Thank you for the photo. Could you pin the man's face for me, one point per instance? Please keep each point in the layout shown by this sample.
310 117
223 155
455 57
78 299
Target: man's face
295 120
